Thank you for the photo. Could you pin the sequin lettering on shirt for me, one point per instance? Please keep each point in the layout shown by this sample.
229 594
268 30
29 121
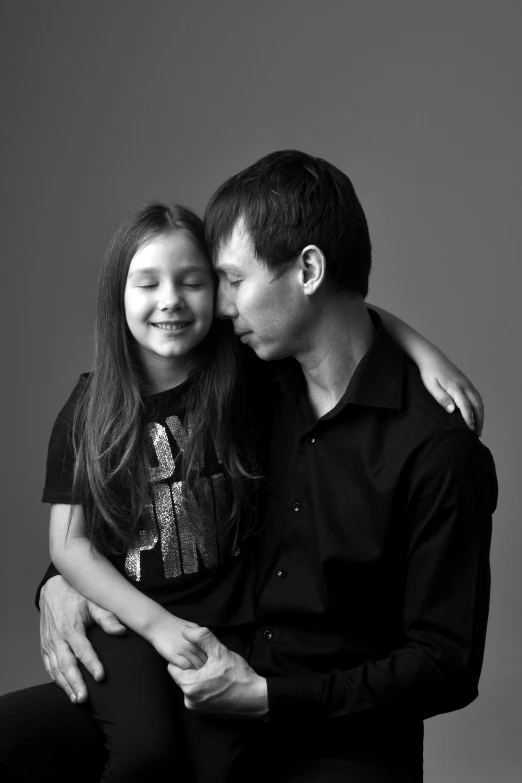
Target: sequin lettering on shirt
191 529
167 526
180 434
163 451
148 539
196 532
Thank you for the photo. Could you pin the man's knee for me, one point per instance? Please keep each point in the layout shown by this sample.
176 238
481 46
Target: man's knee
17 729
43 737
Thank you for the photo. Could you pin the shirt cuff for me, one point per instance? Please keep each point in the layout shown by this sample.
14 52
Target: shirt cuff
57 495
300 696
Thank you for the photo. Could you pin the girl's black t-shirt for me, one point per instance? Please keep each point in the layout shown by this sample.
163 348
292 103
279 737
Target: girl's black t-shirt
188 563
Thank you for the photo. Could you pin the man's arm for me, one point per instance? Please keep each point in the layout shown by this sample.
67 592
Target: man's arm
447 519
451 499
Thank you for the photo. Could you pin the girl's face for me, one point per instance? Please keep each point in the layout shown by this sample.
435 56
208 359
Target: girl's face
169 302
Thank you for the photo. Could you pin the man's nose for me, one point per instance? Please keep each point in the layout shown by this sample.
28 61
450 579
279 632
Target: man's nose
225 307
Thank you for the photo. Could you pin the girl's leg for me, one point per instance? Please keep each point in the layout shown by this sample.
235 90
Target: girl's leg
216 748
139 709
216 745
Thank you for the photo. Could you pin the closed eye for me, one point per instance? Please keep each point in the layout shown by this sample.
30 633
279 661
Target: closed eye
225 278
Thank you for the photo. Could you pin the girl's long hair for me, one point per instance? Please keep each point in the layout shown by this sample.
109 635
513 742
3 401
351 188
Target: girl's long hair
112 455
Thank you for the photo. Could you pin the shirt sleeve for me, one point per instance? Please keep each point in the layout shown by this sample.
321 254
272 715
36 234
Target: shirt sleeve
59 471
451 496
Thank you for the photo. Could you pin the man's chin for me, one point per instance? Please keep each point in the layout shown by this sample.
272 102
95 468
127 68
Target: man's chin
268 353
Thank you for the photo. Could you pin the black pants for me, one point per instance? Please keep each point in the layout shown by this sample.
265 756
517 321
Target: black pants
354 749
142 731
148 732
46 739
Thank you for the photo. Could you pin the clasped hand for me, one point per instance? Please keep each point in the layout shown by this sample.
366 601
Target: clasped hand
167 638
213 678
225 684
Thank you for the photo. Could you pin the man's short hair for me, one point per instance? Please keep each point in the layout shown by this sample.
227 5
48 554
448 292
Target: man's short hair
288 200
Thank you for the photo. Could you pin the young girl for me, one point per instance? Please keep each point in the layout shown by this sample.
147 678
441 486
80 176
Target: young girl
152 475
161 412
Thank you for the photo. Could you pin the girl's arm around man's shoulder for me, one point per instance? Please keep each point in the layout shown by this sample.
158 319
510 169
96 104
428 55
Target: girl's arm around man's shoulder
443 379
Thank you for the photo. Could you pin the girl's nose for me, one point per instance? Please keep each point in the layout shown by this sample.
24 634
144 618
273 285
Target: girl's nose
170 300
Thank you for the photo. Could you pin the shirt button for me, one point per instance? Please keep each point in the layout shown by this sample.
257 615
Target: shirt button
268 635
297 506
282 573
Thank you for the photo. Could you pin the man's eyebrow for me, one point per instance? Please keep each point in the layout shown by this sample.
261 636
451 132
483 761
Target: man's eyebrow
226 267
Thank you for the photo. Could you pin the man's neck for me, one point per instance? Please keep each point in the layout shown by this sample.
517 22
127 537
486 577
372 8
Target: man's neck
341 337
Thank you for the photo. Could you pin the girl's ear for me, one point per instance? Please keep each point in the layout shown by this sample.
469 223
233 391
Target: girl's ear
313 268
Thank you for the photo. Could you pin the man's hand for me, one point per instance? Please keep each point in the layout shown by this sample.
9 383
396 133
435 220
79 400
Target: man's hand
64 615
166 636
225 685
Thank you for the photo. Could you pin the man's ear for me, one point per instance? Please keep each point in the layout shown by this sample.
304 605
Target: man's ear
313 268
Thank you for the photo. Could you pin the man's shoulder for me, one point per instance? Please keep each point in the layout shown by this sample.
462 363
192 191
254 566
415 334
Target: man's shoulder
431 428
419 405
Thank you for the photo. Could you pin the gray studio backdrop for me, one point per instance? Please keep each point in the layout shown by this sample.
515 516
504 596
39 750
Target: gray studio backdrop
108 103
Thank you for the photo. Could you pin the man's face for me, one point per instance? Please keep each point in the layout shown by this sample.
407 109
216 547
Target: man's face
267 312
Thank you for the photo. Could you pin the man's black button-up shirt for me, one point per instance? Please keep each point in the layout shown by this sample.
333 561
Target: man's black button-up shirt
374 560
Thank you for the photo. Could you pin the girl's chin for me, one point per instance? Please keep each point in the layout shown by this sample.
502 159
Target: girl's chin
167 353
175 354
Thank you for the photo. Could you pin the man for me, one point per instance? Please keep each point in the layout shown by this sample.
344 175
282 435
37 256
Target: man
373 562
374 577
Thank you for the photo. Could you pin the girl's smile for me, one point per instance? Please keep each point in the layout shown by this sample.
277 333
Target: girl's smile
172 325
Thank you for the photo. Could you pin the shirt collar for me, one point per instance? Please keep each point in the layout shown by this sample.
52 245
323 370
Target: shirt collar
377 381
